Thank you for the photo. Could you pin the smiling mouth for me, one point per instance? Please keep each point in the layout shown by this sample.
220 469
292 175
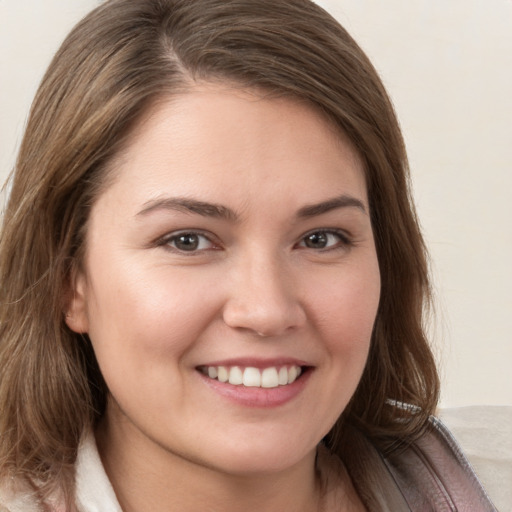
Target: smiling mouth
271 377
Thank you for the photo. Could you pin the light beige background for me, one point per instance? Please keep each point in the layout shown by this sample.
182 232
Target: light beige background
448 67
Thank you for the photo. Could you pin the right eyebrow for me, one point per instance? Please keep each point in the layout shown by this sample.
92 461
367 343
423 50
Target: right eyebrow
187 205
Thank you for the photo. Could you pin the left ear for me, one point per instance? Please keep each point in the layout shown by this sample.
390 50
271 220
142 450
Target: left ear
75 303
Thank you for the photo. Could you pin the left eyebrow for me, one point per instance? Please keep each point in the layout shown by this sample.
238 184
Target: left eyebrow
343 201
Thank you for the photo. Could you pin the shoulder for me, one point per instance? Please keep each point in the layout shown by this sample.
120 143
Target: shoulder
430 473
93 489
17 496
485 434
433 470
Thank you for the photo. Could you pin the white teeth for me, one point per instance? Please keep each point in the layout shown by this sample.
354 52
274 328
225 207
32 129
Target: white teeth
252 378
222 374
270 377
283 376
293 373
235 376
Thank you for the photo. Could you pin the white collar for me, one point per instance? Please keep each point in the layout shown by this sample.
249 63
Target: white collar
94 493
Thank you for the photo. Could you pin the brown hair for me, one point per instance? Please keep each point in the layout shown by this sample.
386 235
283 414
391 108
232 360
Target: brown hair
120 58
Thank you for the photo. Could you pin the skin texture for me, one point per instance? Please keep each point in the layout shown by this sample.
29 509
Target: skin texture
252 288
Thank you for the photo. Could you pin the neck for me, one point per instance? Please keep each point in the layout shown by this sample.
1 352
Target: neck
146 477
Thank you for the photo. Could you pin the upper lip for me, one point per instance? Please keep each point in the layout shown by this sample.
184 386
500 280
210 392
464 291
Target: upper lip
255 362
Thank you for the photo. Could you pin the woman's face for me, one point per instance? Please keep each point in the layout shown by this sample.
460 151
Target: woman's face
234 243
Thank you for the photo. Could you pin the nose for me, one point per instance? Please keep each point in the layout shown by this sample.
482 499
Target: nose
263 298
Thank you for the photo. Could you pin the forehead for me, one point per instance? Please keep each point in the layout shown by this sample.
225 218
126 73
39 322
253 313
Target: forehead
214 136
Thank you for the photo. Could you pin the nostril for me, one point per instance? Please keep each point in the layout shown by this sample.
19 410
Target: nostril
264 320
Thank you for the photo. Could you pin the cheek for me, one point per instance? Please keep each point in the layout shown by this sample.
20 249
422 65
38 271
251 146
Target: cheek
346 307
143 327
344 310
139 319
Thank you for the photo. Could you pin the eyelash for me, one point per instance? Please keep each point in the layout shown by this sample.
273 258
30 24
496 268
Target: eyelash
343 243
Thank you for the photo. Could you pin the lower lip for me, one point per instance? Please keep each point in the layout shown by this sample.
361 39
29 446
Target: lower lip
262 398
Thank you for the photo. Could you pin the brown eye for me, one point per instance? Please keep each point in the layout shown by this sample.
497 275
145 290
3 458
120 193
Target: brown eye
316 240
324 240
189 242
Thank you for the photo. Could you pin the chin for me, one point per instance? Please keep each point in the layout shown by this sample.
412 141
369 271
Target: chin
257 458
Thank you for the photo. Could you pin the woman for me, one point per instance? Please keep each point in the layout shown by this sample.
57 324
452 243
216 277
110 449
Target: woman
213 277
